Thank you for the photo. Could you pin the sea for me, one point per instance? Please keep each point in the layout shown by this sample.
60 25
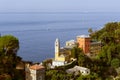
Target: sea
37 31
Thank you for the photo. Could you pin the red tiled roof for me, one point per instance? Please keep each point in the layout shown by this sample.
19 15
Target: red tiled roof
36 67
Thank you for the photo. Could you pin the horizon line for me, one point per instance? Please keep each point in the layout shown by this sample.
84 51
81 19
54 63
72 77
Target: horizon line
35 12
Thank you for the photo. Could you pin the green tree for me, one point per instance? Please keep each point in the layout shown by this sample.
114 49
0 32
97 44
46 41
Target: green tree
107 33
117 35
75 52
118 50
57 75
115 63
9 44
109 56
90 30
81 60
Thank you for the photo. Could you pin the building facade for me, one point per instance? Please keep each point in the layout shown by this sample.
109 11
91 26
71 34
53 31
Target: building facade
71 43
88 46
76 69
34 72
84 43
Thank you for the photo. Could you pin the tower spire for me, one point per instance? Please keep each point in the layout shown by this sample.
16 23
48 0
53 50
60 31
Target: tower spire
57 46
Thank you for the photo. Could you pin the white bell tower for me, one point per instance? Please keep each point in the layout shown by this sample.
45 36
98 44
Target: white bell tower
57 46
57 49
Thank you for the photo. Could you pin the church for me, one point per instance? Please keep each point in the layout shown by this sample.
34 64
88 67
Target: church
62 55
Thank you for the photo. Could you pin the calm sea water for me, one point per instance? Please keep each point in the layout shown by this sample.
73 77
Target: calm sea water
38 31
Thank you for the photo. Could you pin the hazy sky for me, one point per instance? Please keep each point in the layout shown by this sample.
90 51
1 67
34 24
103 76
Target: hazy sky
59 5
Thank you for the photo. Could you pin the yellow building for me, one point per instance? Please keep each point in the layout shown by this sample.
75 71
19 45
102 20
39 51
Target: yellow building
62 55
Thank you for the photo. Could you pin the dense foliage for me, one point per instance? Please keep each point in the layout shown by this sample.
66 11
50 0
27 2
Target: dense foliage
9 46
108 34
109 57
110 37
58 75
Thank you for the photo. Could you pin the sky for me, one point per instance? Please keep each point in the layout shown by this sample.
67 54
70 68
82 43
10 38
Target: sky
59 5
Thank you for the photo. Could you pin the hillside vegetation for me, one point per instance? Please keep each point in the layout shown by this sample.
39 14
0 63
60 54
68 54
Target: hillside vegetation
9 46
109 57
110 38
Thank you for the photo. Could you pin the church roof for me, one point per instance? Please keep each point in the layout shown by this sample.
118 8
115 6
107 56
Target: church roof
36 67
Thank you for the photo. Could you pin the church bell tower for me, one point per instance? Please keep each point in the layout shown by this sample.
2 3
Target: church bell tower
57 48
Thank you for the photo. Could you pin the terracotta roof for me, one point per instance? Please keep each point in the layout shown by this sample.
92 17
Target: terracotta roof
36 67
